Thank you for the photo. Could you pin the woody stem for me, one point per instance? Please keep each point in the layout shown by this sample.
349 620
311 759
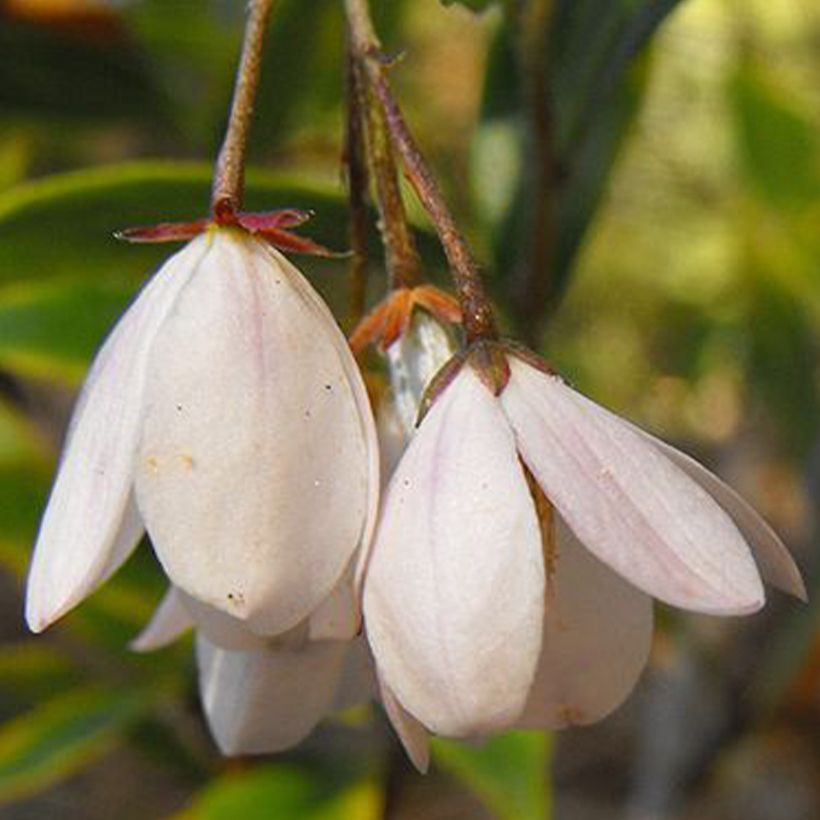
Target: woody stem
477 314
229 172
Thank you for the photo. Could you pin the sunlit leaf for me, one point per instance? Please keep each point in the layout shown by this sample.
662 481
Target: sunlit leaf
509 773
61 736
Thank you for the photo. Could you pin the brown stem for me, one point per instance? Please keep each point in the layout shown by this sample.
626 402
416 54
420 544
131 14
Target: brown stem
477 315
356 172
229 172
403 263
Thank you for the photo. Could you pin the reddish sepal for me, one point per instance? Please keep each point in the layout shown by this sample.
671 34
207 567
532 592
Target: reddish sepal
164 232
273 220
389 319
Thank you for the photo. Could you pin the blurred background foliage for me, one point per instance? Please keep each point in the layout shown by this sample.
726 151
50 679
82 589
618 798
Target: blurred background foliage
641 179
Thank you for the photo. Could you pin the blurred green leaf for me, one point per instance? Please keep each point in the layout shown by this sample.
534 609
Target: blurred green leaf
34 668
510 773
23 488
283 792
19 441
51 328
60 737
778 145
63 225
782 358
51 73
475 5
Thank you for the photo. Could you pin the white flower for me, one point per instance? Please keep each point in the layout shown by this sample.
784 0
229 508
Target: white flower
520 539
225 415
265 696
261 695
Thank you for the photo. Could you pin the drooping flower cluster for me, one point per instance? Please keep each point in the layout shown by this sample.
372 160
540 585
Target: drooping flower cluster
521 537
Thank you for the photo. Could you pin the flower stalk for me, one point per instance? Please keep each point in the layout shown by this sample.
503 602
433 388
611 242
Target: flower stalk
229 172
477 314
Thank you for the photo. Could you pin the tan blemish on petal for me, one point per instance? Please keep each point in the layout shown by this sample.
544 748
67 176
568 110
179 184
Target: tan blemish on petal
186 460
570 715
152 464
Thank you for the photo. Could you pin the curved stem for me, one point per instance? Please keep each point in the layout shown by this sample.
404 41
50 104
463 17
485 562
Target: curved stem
229 172
477 315
356 173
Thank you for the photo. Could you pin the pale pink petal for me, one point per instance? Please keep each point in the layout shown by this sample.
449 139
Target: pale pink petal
357 683
90 525
413 736
339 616
269 700
413 359
258 464
218 627
628 503
454 589
597 637
169 622
774 561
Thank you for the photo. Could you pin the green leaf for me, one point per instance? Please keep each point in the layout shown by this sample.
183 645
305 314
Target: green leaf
44 72
63 225
510 773
778 145
60 737
50 329
283 792
23 488
34 668
474 5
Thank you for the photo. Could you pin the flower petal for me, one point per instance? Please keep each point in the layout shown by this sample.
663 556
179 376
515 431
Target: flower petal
597 637
773 559
170 621
454 588
339 616
627 503
91 525
357 683
258 465
413 736
218 627
269 700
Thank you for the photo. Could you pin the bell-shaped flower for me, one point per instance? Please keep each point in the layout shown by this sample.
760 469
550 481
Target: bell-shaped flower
262 696
227 417
521 537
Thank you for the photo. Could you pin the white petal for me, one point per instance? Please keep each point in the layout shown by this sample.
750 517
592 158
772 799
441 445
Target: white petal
266 701
627 503
339 616
258 465
597 637
774 561
454 589
169 622
413 736
90 525
357 683
220 628
413 359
